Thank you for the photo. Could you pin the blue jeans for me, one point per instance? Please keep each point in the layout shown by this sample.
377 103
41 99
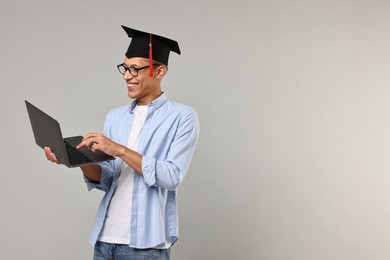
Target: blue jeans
105 251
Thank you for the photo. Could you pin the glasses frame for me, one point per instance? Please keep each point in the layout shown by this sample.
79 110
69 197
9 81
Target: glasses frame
131 68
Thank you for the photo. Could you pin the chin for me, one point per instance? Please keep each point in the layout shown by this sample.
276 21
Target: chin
132 95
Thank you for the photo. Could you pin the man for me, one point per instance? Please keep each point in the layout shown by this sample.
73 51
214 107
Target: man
153 141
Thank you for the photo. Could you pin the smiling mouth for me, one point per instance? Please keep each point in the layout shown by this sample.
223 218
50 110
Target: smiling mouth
132 86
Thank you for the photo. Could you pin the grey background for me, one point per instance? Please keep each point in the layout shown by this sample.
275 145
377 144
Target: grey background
293 99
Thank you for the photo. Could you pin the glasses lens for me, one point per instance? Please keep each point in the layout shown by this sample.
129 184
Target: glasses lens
121 69
133 71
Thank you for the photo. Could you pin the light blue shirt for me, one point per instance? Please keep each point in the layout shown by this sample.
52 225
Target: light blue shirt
167 143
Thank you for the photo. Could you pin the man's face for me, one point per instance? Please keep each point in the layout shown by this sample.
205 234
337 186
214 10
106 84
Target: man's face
141 87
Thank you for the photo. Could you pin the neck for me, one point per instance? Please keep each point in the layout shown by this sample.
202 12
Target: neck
146 100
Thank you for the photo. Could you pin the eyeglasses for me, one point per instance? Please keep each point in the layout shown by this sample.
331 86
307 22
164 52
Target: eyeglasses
132 70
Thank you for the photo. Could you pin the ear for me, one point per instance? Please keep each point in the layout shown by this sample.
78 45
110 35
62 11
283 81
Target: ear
161 71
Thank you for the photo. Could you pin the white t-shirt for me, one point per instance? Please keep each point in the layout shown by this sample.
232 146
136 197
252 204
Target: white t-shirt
116 227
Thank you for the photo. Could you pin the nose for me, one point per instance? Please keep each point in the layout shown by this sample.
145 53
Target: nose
127 75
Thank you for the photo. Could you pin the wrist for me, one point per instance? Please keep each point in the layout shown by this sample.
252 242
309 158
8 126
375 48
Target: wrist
121 151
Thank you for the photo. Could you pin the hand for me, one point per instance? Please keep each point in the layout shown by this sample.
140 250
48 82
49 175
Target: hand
99 142
51 156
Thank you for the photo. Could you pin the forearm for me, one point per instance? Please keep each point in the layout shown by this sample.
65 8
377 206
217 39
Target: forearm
92 172
99 142
132 158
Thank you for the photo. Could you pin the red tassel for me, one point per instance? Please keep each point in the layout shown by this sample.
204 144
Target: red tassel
150 57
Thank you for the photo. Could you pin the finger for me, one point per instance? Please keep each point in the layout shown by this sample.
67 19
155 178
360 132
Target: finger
90 135
54 160
87 140
47 152
51 156
94 147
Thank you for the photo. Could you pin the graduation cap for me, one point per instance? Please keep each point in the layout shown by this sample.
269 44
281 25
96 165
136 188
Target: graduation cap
150 46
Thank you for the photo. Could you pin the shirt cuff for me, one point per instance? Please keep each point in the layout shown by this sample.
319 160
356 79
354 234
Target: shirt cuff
105 179
149 170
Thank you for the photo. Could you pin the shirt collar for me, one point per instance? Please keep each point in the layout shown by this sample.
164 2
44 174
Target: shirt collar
158 102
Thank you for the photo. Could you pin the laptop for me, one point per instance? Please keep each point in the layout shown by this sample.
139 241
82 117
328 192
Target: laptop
47 133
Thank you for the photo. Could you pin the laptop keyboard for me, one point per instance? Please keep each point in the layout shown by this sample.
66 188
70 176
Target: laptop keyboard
75 156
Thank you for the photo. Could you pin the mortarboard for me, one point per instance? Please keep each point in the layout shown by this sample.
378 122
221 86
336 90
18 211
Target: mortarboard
150 46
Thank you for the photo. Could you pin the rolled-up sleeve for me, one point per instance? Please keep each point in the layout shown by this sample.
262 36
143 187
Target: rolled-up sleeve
170 172
105 179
